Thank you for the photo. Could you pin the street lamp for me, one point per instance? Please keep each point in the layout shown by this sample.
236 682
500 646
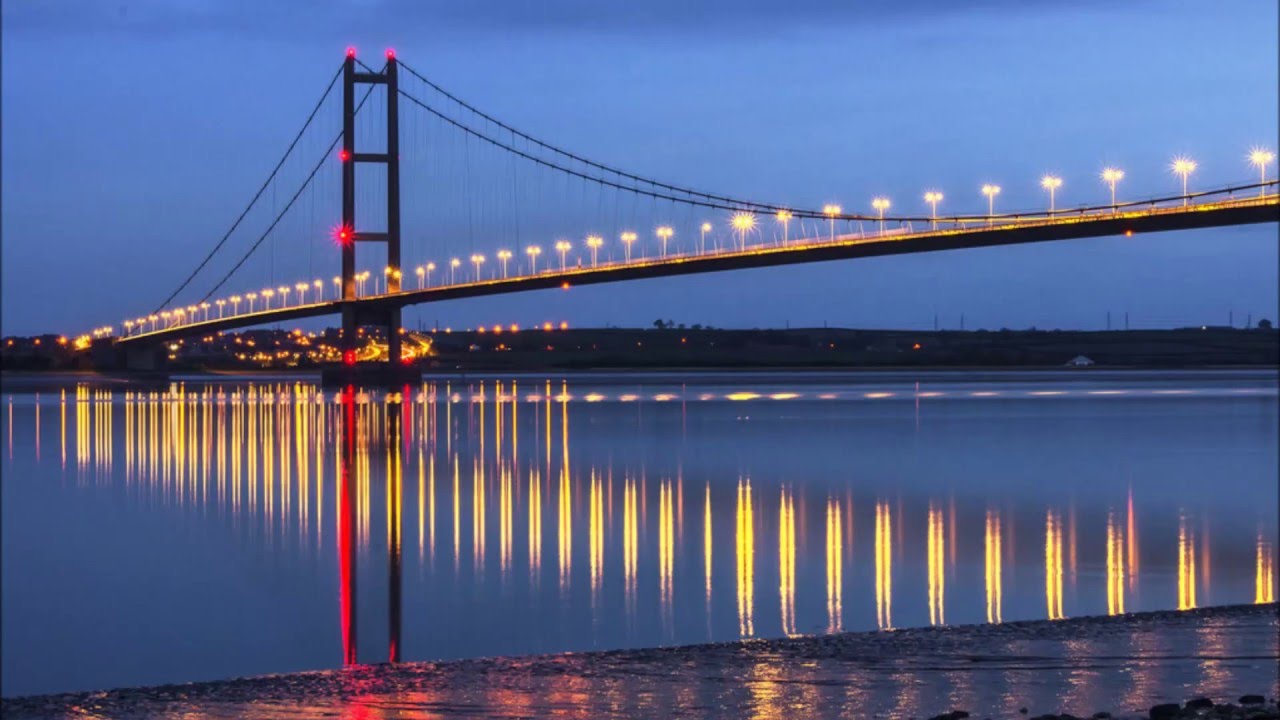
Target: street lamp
1051 183
453 270
1111 176
152 319
220 303
319 286
665 233
337 287
702 241
594 242
784 217
165 315
628 238
880 204
205 307
420 272
386 280
533 251
395 276
302 288
267 294
742 222
991 191
1183 166
128 325
251 297
1261 158
831 211
284 295
430 266
504 256
933 197
477 260
562 247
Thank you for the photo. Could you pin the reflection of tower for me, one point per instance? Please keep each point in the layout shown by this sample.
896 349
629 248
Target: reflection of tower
347 527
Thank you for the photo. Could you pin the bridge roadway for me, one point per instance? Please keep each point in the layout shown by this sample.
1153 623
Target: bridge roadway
1219 213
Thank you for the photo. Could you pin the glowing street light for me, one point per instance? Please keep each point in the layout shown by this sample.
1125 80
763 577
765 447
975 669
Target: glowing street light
784 217
702 241
831 211
386 280
1261 158
562 247
742 222
251 297
267 294
284 295
933 197
319 286
1051 183
152 319
477 260
430 266
503 257
665 233
421 273
128 325
991 191
1183 166
395 277
220 303
880 204
533 251
165 315
628 238
594 242
337 287
1111 176
361 279
454 263
302 288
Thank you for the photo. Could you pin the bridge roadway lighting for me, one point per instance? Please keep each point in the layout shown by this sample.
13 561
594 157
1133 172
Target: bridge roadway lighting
562 247
1051 183
319 286
420 272
594 242
533 251
152 319
396 275
784 217
664 233
503 257
477 260
267 294
284 295
702 241
220 303
742 222
933 197
453 270
628 238
251 297
235 304
430 266
337 287
205 307
1261 158
831 211
991 191
1183 166
880 204
302 288
128 325
1111 176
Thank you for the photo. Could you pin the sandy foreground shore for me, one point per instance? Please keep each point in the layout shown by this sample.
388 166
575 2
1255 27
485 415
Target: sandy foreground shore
1124 666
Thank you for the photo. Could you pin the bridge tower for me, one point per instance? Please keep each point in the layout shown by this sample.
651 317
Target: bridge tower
348 235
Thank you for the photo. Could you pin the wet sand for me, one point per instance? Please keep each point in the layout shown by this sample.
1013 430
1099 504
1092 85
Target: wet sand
1122 665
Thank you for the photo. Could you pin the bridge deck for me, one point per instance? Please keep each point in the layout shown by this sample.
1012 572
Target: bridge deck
1096 224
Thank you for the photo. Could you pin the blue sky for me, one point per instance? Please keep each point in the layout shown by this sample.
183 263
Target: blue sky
135 132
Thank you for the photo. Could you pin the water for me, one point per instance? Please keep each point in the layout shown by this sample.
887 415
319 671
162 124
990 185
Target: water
235 527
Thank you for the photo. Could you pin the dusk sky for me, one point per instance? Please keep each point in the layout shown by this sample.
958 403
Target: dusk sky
135 132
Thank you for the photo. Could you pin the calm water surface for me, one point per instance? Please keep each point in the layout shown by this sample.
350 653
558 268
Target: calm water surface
233 527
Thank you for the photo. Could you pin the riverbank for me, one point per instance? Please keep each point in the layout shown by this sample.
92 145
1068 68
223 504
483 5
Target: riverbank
1124 666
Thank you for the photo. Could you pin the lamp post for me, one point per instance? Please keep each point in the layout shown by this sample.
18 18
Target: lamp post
430 266
562 247
267 294
533 251
702 241
284 295
664 234
594 242
880 204
453 270
319 286
302 288
628 238
1261 158
1111 176
991 191
1183 166
831 211
477 260
337 287
742 222
251 297
503 257
1051 183
784 217
220 303
933 197
421 273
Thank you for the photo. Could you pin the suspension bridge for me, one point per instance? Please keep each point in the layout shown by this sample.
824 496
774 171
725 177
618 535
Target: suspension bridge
513 213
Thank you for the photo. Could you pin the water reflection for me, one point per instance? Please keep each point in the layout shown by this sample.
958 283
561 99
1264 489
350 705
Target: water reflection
298 469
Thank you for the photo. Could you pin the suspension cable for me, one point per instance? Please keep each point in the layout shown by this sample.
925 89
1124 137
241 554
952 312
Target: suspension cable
256 195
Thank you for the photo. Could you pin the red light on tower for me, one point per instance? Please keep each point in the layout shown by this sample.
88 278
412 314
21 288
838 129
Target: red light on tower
343 155
343 235
351 51
391 53
349 357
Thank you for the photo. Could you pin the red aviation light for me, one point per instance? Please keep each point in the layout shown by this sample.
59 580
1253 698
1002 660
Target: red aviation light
391 53
344 235
349 357
343 155
351 51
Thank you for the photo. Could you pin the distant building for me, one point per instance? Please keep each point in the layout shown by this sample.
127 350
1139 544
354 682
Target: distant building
1079 361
